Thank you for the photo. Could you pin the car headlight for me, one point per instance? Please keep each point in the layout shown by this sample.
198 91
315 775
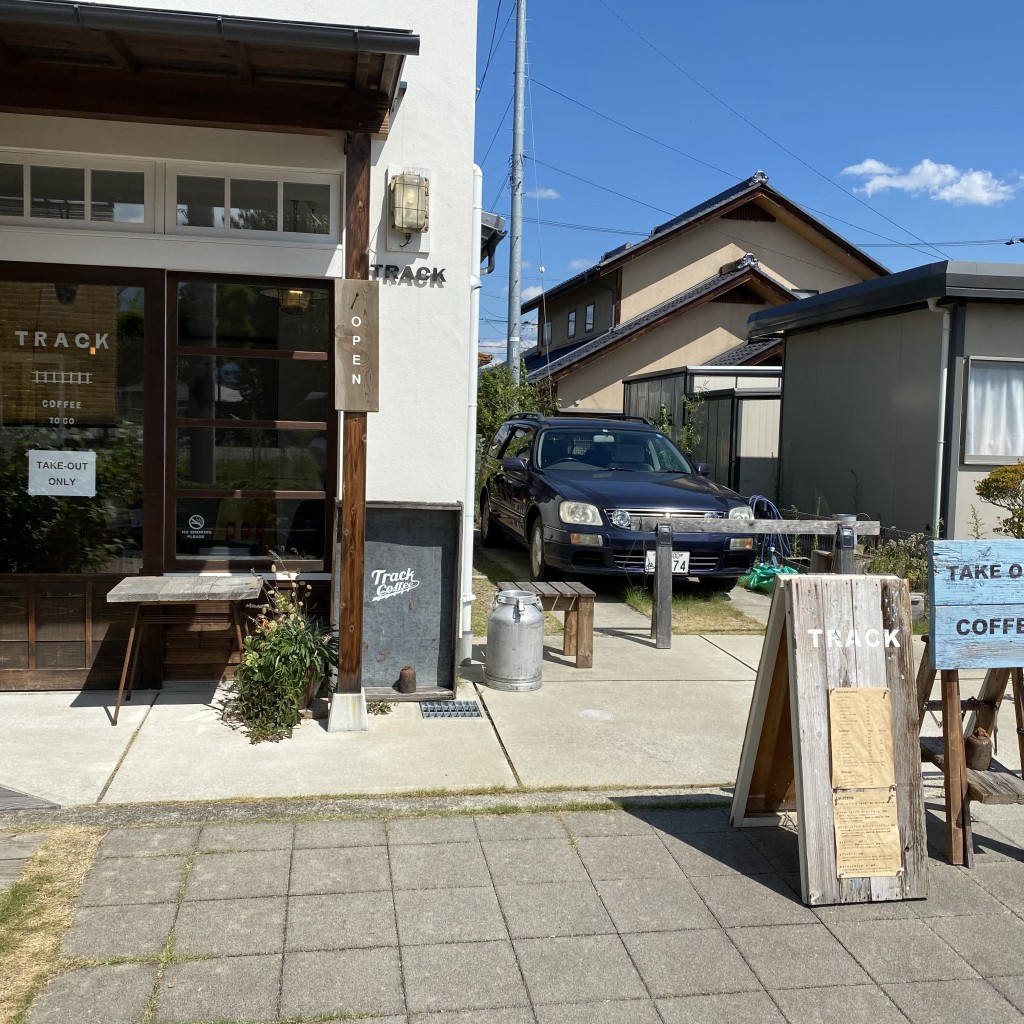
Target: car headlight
579 513
741 512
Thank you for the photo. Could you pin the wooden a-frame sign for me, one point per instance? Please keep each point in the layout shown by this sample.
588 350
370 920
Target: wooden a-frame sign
832 740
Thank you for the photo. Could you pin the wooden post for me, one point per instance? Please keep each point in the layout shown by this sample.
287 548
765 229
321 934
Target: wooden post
661 617
954 769
353 481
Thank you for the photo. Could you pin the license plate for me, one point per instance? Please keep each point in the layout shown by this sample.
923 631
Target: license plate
680 562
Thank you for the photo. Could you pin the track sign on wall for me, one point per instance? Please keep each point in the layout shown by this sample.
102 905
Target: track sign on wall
357 346
832 741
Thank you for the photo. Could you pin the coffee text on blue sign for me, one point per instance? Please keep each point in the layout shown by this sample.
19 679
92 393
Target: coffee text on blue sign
976 593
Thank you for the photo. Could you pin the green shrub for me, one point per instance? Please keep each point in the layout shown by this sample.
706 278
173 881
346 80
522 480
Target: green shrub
284 660
1004 488
906 557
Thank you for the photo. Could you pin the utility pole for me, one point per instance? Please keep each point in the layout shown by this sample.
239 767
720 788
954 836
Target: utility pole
515 235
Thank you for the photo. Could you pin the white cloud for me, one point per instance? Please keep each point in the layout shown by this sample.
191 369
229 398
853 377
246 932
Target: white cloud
580 264
870 166
531 293
943 182
542 193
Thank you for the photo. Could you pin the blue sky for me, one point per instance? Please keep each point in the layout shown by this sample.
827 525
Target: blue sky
892 122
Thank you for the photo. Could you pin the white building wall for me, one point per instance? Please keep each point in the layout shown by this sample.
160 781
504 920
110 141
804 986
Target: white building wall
417 442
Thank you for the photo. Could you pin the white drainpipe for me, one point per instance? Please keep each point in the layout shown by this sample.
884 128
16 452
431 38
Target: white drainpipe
466 637
940 440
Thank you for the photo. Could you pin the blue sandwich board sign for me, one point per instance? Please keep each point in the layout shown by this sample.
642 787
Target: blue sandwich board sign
976 594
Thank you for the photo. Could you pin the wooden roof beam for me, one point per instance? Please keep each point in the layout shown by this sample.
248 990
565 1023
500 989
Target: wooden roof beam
119 52
240 55
190 99
8 55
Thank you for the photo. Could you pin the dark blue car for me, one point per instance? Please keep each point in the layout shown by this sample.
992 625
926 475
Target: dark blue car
584 495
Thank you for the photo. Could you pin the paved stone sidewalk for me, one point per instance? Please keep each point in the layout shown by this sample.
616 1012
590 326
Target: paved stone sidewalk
613 917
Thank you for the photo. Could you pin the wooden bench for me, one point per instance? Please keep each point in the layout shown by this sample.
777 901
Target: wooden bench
577 601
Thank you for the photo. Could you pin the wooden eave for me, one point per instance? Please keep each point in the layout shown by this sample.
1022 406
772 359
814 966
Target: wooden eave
89 60
753 279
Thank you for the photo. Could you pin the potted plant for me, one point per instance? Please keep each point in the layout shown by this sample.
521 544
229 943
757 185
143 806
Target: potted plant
285 659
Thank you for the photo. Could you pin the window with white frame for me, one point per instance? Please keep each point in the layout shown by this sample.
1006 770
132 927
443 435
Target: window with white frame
76 192
588 317
570 327
545 334
247 203
994 415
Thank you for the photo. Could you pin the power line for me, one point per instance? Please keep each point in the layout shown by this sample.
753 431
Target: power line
490 54
501 124
728 174
603 188
636 131
761 131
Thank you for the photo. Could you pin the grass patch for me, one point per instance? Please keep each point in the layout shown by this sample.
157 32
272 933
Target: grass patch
486 575
696 612
36 912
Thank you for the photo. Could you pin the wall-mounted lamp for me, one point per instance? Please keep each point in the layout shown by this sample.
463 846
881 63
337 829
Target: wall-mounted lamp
65 293
410 202
292 300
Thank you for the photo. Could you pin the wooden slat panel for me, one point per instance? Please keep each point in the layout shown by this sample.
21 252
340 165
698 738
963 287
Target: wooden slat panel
60 613
13 611
13 654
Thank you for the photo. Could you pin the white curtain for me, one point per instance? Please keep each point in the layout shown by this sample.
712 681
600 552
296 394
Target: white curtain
995 410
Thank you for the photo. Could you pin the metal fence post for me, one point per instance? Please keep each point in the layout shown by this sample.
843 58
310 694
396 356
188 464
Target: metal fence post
661 607
842 550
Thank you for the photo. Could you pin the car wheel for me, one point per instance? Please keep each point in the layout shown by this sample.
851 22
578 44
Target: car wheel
539 570
718 584
490 533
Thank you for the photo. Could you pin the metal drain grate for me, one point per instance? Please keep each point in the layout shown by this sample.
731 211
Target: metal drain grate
450 709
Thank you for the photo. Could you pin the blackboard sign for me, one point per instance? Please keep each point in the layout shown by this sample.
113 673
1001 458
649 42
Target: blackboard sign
410 597
976 597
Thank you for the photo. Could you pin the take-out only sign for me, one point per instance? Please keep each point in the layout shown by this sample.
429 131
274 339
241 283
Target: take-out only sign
976 592
62 474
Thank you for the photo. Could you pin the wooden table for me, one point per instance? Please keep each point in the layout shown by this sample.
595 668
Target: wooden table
158 601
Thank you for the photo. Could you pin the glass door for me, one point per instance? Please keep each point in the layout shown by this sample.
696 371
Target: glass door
252 455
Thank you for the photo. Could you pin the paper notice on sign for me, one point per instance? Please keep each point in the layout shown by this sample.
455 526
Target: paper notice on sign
860 724
867 834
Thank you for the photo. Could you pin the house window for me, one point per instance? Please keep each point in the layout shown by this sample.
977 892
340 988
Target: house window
545 336
994 417
70 193
588 317
570 330
253 204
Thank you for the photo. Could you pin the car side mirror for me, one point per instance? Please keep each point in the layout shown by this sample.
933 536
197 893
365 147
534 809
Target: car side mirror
703 469
513 464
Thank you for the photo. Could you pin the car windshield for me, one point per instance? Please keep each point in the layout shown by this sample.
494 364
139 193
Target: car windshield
574 448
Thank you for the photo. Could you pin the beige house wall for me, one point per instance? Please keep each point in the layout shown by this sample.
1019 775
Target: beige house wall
696 255
859 411
989 330
689 340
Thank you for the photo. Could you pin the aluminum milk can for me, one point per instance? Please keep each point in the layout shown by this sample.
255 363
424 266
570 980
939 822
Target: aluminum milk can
515 641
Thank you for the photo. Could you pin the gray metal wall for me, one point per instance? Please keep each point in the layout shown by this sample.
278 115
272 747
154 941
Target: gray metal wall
859 408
